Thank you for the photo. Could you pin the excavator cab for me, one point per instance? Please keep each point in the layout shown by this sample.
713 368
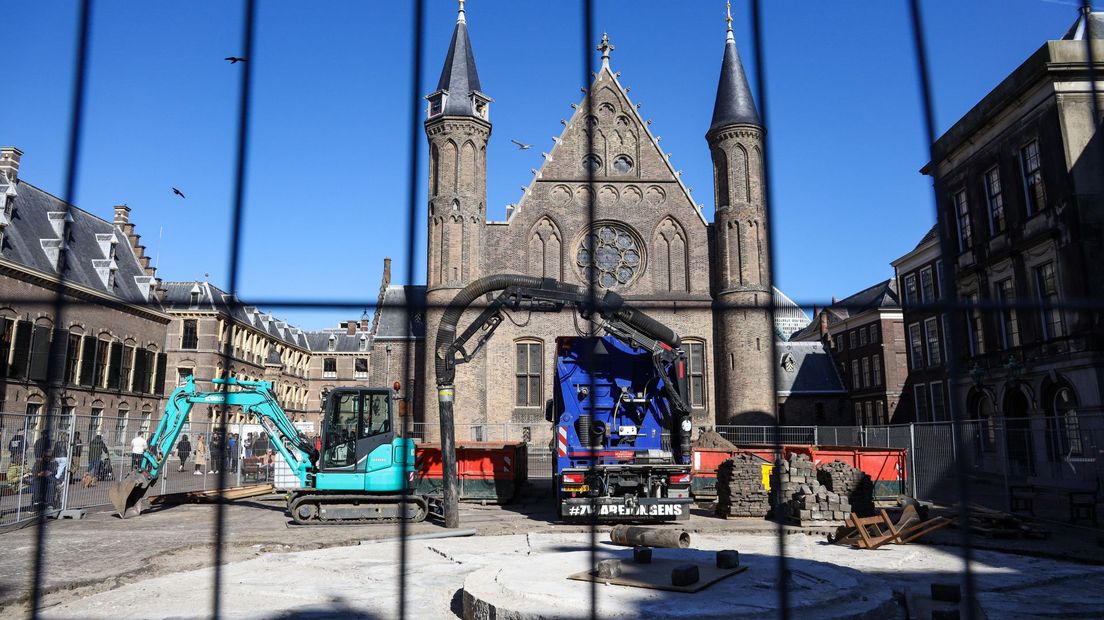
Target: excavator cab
360 448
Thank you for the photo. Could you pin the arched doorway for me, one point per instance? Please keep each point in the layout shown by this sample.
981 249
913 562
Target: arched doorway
979 407
1063 426
1018 433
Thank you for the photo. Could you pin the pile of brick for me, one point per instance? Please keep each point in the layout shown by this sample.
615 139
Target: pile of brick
740 491
803 499
851 483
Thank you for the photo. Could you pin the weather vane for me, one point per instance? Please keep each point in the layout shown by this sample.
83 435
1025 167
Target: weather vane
728 13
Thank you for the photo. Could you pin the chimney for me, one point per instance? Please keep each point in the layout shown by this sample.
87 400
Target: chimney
9 161
350 327
122 215
364 322
386 272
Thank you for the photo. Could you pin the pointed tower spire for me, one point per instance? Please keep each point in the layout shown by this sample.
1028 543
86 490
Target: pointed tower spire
734 105
458 91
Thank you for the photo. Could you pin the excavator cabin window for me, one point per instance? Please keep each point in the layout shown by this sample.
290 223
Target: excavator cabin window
353 416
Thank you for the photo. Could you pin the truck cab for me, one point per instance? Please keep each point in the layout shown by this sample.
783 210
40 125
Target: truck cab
612 435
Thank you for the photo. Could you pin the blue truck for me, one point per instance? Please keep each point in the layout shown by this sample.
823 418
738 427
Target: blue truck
613 417
622 421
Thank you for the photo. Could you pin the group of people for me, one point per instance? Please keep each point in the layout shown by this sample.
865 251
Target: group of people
217 453
52 461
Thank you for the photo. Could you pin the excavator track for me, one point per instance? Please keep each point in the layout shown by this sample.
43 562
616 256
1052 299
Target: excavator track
320 508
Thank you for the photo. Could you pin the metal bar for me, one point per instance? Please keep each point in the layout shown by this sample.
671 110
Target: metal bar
76 116
248 26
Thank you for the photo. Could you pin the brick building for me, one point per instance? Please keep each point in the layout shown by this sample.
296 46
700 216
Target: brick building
113 326
918 280
262 347
1022 199
865 334
710 282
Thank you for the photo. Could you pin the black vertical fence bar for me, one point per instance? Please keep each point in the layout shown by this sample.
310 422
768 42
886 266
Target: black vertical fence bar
412 306
57 344
591 279
947 305
757 26
242 148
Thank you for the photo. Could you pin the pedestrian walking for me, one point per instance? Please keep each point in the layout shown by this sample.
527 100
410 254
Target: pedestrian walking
137 449
61 456
200 456
184 450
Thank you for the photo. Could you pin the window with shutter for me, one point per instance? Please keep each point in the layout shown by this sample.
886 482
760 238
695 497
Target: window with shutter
88 361
72 359
40 354
126 366
113 370
7 326
21 350
159 378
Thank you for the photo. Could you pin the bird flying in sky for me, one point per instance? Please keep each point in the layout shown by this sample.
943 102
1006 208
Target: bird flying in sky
521 145
178 192
234 59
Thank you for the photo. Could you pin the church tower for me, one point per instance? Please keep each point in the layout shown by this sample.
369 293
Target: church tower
458 127
744 336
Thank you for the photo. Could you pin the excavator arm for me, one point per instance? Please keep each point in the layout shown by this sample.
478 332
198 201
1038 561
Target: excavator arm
256 400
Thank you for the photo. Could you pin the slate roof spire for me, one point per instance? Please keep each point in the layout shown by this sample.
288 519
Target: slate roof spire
459 77
734 105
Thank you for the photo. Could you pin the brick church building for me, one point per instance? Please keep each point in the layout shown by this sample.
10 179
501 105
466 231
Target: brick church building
709 281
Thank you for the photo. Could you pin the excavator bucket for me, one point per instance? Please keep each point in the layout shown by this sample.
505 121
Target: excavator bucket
128 493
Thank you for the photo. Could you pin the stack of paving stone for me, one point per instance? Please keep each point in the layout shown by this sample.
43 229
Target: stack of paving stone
740 491
814 504
803 498
851 483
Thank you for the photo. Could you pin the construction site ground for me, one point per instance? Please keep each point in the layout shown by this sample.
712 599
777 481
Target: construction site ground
159 564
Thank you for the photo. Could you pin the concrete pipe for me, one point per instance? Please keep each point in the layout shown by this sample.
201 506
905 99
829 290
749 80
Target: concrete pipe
633 536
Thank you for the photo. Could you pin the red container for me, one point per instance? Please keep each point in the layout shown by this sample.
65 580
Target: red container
887 467
486 471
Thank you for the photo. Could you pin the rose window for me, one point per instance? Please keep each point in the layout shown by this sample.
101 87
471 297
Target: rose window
609 255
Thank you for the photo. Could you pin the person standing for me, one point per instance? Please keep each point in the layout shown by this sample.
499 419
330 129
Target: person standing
183 451
215 457
78 448
61 456
232 444
200 456
95 455
16 448
137 449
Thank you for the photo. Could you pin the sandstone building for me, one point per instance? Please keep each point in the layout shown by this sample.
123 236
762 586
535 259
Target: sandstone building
1021 198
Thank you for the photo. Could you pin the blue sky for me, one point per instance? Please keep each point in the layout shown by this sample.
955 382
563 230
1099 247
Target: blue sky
326 189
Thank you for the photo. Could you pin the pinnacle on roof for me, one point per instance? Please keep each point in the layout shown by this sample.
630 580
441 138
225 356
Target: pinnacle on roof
459 77
734 105
1089 25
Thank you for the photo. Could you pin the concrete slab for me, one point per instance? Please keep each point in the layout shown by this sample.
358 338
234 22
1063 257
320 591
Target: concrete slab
362 581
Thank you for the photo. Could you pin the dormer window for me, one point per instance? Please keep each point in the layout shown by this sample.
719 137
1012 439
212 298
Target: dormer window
363 343
436 103
332 344
479 105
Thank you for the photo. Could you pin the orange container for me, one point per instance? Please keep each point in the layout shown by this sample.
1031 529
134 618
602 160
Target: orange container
486 471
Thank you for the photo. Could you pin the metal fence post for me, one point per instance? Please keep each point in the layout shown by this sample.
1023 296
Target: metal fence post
912 474
816 435
69 459
22 471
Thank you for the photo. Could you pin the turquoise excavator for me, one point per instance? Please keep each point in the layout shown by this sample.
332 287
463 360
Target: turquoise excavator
363 474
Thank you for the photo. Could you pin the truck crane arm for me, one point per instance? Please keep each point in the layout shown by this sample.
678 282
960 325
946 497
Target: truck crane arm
254 397
528 293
